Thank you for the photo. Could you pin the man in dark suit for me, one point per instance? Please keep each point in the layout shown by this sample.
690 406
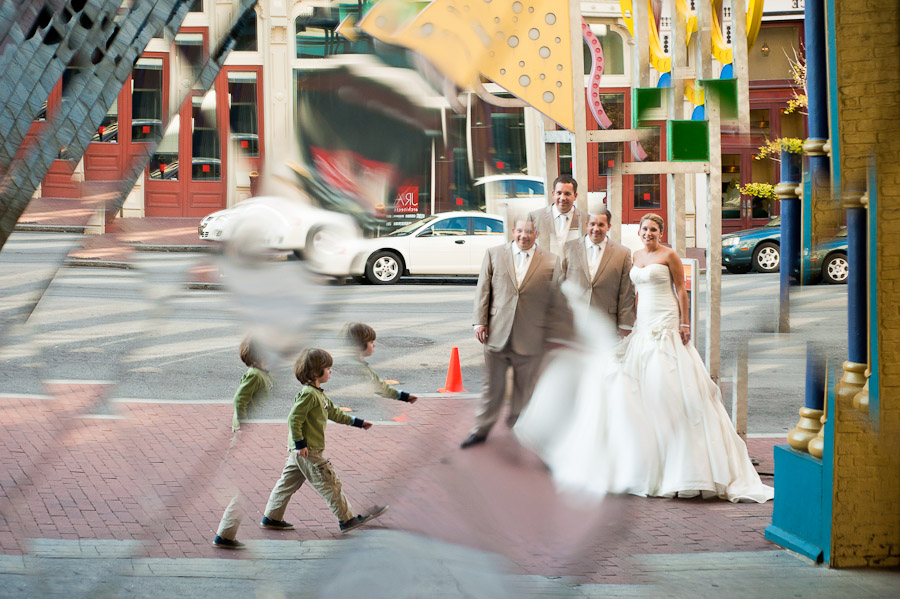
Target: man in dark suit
517 305
599 268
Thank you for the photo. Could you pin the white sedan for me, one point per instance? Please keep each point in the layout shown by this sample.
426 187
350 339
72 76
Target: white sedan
448 244
323 238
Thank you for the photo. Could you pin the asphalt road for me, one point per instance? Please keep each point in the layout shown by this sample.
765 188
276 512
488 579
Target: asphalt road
161 341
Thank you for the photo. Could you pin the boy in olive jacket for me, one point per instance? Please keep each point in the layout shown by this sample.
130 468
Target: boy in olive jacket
360 340
306 443
253 390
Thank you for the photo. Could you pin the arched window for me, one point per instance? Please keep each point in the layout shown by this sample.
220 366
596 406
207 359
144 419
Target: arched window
245 41
613 50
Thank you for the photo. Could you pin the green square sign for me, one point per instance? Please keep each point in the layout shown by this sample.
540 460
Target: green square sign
723 91
645 101
688 141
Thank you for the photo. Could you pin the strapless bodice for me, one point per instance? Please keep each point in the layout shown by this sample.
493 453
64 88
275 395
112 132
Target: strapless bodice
656 304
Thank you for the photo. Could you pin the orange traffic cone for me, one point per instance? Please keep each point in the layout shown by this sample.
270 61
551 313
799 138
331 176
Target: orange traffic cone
454 375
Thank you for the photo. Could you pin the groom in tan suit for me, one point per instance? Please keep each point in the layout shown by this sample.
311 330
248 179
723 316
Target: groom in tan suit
517 305
561 221
599 269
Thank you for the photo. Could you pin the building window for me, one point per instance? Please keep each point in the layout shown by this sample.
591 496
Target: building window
564 152
762 171
196 6
205 146
245 40
108 131
190 52
760 122
508 138
613 50
609 154
243 112
164 162
731 179
146 99
648 188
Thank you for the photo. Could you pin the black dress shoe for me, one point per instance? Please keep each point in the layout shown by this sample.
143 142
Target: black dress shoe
358 521
473 439
228 543
276 524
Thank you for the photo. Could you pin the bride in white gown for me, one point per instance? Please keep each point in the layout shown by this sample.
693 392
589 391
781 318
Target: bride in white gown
643 416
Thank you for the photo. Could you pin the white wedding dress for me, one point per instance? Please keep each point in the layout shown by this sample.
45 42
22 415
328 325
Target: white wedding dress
641 417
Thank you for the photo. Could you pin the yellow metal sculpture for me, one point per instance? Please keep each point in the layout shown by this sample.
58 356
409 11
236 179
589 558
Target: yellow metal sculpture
524 46
720 49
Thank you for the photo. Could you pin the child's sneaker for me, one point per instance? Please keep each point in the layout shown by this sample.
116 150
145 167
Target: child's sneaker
224 543
358 521
276 524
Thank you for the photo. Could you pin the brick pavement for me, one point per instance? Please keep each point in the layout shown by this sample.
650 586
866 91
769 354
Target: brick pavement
158 473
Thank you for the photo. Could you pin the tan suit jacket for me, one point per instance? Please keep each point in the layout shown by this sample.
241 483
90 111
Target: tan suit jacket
610 290
543 220
519 318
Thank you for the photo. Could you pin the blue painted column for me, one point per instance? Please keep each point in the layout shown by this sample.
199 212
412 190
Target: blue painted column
857 318
790 234
818 161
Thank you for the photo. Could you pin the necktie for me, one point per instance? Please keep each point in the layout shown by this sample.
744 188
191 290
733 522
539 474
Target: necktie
562 226
521 266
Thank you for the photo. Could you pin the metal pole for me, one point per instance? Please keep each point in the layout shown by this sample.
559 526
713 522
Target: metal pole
579 143
790 234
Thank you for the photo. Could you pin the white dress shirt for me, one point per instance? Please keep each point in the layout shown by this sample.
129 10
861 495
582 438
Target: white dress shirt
562 222
594 253
521 260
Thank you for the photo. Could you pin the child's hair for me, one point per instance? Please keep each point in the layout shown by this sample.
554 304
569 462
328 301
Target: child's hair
359 334
250 353
311 365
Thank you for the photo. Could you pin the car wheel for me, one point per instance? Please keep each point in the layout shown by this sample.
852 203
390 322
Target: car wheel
836 269
321 243
738 269
384 268
766 257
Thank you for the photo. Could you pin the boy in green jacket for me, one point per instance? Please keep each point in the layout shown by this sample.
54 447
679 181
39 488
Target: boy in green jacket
306 461
361 337
252 391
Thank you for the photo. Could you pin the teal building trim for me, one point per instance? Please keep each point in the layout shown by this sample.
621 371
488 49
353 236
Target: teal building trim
874 389
834 130
801 516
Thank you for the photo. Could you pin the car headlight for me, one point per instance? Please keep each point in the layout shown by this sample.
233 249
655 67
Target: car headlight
730 241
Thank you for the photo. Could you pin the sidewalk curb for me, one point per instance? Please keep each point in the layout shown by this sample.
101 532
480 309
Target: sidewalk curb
206 249
91 263
206 286
38 228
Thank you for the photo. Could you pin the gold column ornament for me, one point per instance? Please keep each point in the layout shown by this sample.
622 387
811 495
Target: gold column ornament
861 399
806 430
816 147
851 383
816 445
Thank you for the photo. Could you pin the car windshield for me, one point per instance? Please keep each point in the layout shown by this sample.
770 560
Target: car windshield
407 229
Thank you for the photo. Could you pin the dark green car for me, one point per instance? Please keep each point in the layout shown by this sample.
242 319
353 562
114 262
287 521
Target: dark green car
828 260
754 249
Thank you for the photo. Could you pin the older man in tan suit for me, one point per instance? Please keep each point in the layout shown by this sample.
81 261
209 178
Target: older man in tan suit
599 268
561 221
517 307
